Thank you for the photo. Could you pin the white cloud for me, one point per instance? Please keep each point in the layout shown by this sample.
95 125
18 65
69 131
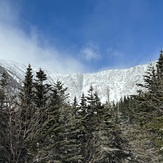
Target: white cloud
90 52
17 46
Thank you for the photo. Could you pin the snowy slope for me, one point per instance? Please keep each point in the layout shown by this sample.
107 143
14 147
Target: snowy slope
110 84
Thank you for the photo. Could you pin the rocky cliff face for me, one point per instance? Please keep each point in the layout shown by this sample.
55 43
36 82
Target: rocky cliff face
110 84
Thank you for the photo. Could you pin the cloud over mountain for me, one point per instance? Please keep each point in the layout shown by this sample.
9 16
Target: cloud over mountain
30 47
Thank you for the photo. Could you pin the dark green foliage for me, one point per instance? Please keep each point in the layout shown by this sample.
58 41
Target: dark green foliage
83 105
152 99
61 93
3 89
75 103
160 65
83 101
3 81
147 106
41 89
20 124
100 137
127 109
150 79
110 146
90 97
155 127
69 147
41 126
3 118
58 130
27 92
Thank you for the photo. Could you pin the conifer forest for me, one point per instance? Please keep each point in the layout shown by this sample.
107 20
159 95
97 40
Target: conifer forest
39 124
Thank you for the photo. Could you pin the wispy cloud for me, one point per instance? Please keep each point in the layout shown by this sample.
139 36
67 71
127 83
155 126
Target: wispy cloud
21 47
114 52
90 52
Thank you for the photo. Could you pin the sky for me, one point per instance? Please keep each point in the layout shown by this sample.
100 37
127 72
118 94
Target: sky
82 36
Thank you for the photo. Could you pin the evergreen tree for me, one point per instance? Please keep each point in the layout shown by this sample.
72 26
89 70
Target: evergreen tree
126 107
88 123
160 65
159 92
69 145
61 93
75 103
90 96
61 129
97 100
100 137
27 98
3 118
16 143
151 100
83 101
41 89
149 108
3 89
83 105
76 107
109 145
27 91
28 117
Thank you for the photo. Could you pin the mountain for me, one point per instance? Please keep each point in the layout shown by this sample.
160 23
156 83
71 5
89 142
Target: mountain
110 84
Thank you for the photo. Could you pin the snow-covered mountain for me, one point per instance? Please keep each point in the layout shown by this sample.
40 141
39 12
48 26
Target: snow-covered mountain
110 84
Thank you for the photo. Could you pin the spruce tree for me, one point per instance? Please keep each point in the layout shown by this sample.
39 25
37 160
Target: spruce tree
151 99
90 96
88 122
54 129
27 91
149 108
61 91
41 89
62 127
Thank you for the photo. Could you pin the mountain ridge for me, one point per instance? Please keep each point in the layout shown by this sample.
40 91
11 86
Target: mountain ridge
111 85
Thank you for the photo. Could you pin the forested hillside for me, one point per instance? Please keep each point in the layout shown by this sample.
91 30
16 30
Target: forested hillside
38 124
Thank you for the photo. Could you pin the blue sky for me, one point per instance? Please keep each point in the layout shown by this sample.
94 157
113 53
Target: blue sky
81 35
